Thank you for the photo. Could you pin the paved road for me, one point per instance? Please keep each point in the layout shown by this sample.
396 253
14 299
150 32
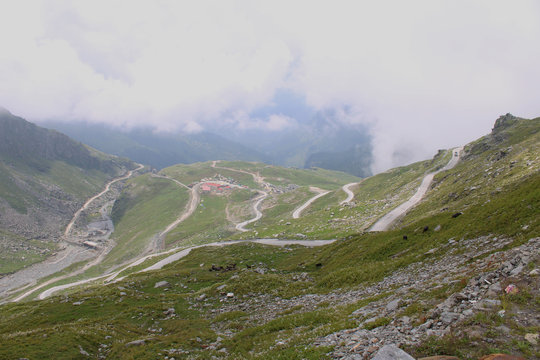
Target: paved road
320 193
350 194
177 256
384 223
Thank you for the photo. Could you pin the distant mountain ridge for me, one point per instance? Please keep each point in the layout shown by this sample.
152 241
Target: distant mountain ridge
316 140
155 149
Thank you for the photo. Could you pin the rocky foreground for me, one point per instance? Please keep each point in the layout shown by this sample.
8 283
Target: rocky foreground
478 270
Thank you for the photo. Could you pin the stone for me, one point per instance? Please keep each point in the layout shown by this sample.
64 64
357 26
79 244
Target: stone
391 352
437 228
439 357
136 343
534 272
221 287
83 352
169 311
260 270
161 284
201 297
494 290
230 295
532 338
76 303
449 317
517 270
393 305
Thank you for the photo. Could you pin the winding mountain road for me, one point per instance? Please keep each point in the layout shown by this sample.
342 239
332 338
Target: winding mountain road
70 254
387 220
263 195
320 193
179 255
350 194
258 213
89 201
194 199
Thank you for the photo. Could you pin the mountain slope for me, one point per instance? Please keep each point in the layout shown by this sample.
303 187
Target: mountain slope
439 290
45 177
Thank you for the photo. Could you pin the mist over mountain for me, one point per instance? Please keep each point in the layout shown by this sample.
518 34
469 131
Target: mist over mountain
291 133
287 132
157 149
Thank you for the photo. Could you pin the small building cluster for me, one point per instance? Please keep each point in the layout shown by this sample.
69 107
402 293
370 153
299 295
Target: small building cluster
214 188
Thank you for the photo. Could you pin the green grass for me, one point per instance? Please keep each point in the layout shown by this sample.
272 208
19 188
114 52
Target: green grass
105 312
358 260
326 179
146 207
80 183
208 223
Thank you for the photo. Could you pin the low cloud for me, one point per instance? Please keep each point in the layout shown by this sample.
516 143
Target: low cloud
274 122
421 74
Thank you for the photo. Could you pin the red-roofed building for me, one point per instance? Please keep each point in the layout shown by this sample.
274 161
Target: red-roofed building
205 188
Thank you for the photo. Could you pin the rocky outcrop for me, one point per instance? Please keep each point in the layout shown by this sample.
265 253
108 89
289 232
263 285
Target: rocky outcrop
503 122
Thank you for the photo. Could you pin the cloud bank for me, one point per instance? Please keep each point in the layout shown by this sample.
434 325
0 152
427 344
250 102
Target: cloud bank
421 74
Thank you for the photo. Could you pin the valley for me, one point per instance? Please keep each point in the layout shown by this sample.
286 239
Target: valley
233 259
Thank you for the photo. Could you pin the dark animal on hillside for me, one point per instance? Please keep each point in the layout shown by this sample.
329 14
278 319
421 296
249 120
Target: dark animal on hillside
456 215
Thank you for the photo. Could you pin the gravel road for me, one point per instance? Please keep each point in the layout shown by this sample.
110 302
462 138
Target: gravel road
179 255
320 193
350 194
258 214
384 223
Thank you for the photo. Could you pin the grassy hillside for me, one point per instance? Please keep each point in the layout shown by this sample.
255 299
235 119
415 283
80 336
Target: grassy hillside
441 288
147 205
501 162
135 309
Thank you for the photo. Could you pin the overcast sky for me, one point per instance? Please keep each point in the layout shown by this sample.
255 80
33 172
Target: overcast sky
422 74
